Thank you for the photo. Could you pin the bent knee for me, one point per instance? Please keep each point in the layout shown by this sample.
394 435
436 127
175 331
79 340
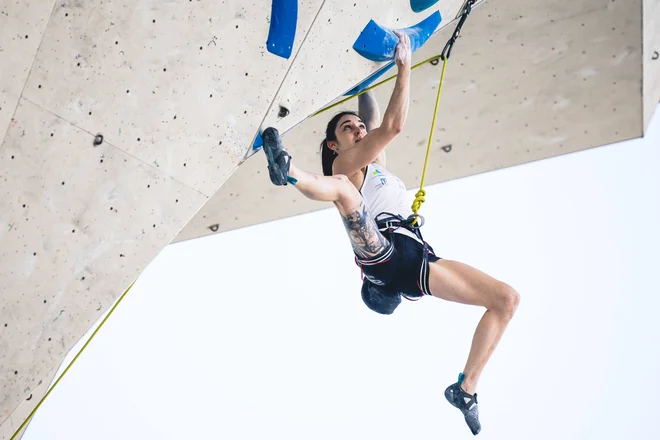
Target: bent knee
508 302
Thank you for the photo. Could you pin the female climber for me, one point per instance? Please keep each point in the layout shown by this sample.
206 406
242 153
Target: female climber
388 246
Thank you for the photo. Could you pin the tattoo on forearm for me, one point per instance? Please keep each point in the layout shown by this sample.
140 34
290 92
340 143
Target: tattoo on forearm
367 241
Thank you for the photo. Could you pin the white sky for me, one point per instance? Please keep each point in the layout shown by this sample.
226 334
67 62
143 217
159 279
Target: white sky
230 337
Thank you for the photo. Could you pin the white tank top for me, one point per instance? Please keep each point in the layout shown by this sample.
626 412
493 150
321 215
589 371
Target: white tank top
382 191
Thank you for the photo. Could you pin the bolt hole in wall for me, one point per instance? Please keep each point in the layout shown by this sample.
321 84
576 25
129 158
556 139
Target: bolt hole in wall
285 111
530 260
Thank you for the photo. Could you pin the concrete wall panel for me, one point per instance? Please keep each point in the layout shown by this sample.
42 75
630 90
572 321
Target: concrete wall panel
15 420
78 223
22 25
178 90
528 80
327 65
651 58
183 86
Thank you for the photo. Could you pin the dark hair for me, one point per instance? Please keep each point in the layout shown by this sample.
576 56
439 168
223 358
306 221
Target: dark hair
328 156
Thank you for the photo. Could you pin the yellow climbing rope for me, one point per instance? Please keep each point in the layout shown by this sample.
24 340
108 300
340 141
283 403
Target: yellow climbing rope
446 53
419 196
66 370
325 109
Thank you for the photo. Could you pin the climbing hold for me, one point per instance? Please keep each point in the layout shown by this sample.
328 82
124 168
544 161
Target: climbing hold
435 61
214 228
258 142
446 148
378 43
283 23
284 112
98 140
370 79
656 55
420 5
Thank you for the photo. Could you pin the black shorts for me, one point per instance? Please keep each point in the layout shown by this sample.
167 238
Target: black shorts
402 270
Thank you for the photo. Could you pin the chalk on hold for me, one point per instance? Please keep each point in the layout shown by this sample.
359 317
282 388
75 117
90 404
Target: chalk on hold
283 23
378 43
420 5
98 140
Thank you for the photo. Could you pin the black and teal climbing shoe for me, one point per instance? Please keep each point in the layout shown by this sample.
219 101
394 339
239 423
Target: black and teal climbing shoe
278 159
467 403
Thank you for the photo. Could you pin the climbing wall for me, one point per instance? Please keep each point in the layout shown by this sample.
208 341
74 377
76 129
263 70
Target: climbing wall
119 121
528 80
319 76
651 58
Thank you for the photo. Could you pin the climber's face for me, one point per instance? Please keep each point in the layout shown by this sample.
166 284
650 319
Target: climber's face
349 132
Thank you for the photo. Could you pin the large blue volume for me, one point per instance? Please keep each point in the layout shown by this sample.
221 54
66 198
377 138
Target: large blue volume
420 5
283 23
378 43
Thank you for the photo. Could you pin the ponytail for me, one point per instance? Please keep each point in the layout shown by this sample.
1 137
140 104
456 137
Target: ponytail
328 157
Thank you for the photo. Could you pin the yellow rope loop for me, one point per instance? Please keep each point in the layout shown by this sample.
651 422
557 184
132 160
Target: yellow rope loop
419 199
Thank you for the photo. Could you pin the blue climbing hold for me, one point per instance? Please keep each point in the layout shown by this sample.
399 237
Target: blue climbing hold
420 5
258 142
283 23
378 43
370 79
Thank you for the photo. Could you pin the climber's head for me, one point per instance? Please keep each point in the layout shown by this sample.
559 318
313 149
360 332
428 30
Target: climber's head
344 131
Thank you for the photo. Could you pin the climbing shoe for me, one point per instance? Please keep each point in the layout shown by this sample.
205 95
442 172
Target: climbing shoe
467 403
278 159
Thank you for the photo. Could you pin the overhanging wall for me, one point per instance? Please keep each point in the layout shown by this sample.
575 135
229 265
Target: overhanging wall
528 80
178 90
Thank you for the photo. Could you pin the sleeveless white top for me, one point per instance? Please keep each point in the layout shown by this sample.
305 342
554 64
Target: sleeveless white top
382 191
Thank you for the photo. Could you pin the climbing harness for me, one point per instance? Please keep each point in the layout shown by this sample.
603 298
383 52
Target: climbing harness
387 223
387 301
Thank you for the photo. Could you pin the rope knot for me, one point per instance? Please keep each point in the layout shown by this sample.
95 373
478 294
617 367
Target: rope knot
419 199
